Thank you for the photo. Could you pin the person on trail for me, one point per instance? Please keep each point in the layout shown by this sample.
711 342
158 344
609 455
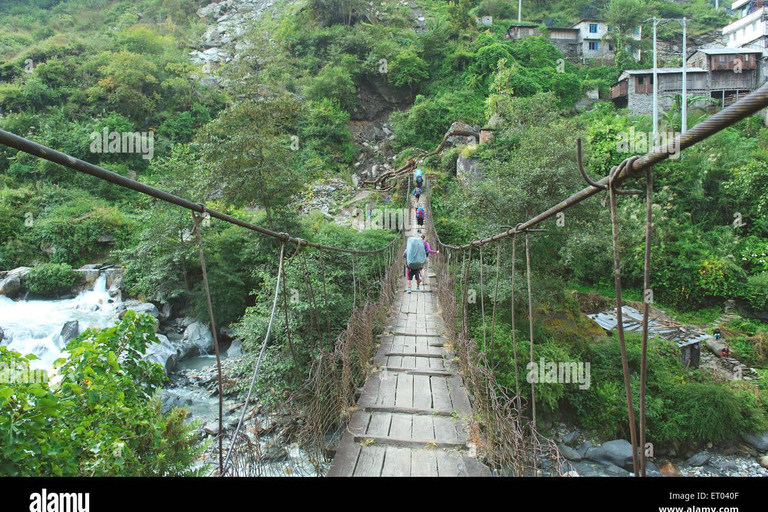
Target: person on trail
717 334
417 193
420 215
415 258
726 351
419 178
427 247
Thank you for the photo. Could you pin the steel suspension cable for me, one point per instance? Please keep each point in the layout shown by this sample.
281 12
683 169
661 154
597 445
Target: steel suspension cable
46 153
646 312
223 471
620 316
198 228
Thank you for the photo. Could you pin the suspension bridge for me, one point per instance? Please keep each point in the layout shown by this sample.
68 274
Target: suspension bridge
422 399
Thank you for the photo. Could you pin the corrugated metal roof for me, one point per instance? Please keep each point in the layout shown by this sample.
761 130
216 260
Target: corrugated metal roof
633 321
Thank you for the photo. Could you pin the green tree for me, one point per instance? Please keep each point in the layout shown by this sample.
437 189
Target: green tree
250 156
407 68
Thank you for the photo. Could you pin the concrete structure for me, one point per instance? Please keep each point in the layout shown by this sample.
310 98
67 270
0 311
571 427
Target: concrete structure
749 30
592 43
521 31
634 88
584 40
567 41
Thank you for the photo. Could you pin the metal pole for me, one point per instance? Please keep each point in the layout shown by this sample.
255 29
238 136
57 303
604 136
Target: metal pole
519 10
655 87
685 83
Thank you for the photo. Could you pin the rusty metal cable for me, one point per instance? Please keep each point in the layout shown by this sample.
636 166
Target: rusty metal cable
223 471
46 153
530 324
482 301
495 297
198 229
619 315
646 311
730 115
514 331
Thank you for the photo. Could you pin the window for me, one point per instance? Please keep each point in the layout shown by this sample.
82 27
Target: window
640 80
610 28
722 59
593 28
593 45
610 47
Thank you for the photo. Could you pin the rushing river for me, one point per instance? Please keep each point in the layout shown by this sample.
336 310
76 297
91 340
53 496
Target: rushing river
33 326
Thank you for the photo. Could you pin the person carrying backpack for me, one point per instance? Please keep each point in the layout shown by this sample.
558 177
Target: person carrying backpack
419 178
415 257
417 193
420 215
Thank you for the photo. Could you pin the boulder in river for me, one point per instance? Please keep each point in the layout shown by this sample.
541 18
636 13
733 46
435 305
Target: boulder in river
569 453
763 461
235 349
163 353
145 307
197 340
699 459
617 452
69 331
2 334
10 286
571 438
759 442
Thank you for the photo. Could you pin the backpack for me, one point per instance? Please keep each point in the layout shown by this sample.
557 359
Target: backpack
415 253
419 180
417 191
420 212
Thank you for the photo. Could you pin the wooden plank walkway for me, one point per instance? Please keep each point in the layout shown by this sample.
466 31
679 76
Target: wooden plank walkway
412 415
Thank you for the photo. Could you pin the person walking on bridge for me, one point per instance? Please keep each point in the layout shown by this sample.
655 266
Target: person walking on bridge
417 193
420 214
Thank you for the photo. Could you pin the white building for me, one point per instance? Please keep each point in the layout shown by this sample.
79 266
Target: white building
591 40
749 30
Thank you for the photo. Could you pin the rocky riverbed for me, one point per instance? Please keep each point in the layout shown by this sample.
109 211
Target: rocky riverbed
747 457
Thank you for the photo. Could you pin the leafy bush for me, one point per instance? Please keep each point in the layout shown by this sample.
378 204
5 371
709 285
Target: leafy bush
51 278
102 419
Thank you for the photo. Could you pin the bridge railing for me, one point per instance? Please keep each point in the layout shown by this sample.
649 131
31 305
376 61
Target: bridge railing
507 423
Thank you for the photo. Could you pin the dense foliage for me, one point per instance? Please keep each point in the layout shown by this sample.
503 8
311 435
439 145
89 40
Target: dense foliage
100 416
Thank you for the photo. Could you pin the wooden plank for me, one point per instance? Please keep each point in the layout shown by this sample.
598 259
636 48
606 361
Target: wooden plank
423 428
346 456
404 396
407 410
370 461
387 387
422 392
414 354
401 426
397 462
370 390
441 399
459 396
445 430
417 371
448 463
379 424
425 335
424 463
474 467
407 443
